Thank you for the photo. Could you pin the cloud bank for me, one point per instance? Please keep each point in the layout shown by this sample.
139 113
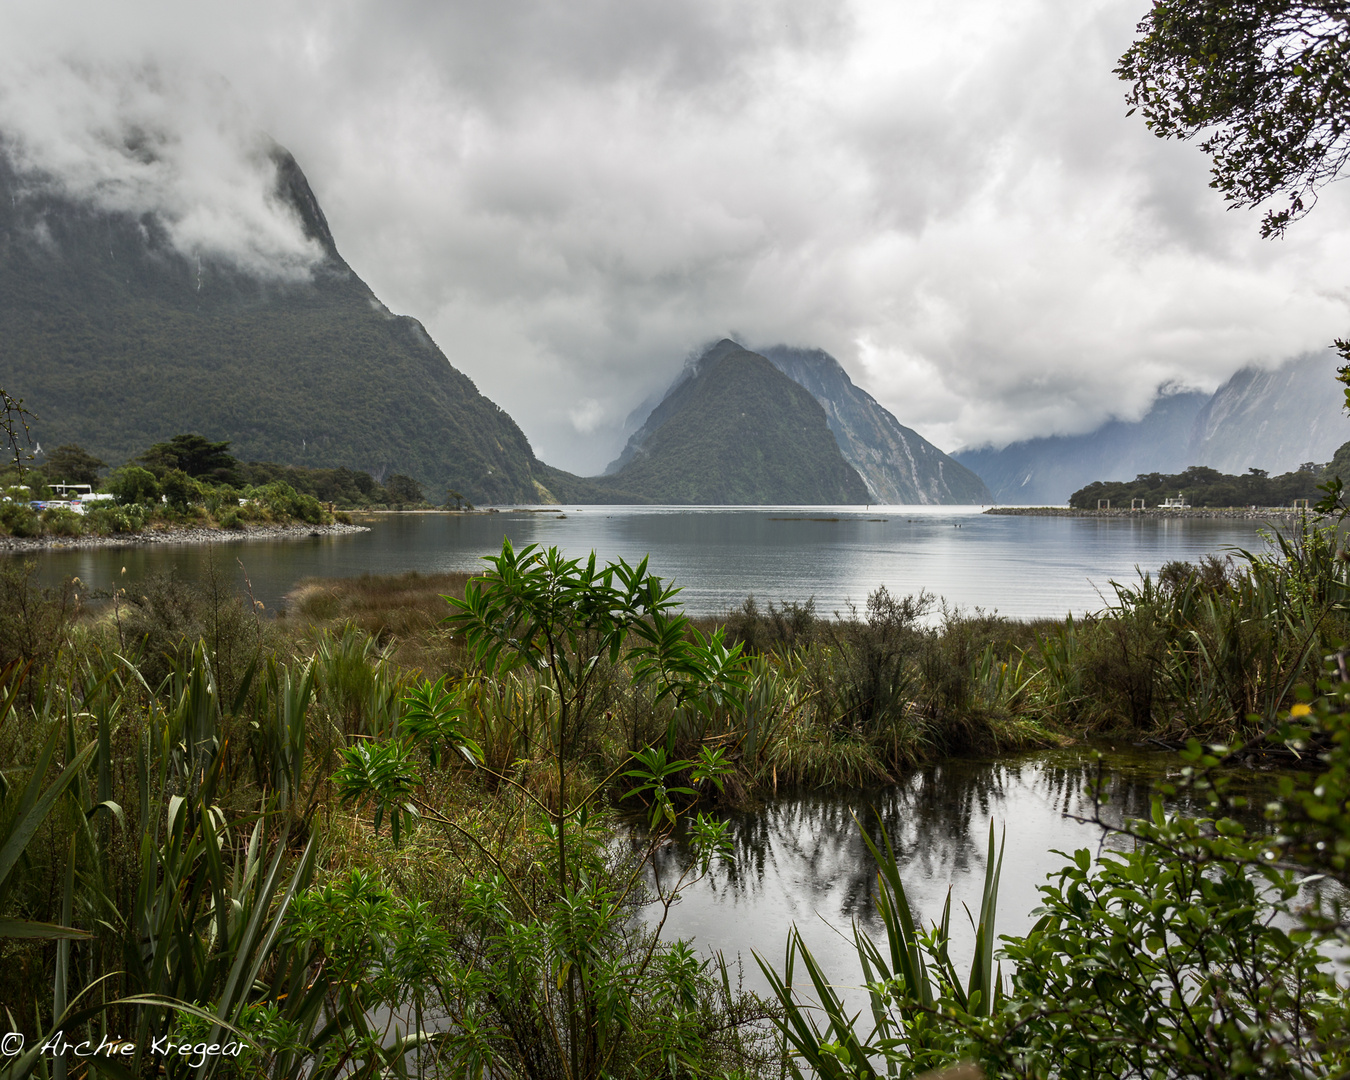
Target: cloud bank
151 138
571 197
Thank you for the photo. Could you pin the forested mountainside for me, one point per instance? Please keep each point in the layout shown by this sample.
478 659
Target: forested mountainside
115 339
736 431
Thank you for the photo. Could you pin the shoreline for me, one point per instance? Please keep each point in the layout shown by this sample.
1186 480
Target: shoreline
1231 513
191 535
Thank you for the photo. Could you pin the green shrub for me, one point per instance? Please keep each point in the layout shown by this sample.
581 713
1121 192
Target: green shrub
231 520
780 629
166 616
280 502
1123 653
58 521
874 675
1165 961
19 519
108 520
180 489
35 619
132 484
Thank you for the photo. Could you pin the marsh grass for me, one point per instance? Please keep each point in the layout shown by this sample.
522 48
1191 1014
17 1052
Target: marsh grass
401 610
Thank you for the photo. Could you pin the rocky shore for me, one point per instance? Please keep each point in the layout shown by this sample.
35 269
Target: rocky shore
191 535
1277 513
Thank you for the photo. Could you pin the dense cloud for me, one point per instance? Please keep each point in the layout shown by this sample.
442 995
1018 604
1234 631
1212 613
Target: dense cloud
154 139
572 197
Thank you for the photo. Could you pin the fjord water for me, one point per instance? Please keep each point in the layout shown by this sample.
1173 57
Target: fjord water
1020 566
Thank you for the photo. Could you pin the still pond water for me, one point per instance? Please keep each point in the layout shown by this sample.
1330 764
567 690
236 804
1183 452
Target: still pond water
1019 566
801 860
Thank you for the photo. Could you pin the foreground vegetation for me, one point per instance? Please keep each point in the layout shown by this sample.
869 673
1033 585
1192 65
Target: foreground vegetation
367 838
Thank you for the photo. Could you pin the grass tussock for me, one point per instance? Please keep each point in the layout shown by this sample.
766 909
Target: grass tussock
401 610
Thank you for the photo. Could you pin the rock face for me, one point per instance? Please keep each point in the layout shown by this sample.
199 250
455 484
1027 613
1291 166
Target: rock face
115 339
1039 472
736 431
1274 420
898 465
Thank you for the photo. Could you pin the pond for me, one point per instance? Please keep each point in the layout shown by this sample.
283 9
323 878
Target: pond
801 860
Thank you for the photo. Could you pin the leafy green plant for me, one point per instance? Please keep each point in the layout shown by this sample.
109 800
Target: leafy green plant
913 987
111 520
548 981
280 502
1167 961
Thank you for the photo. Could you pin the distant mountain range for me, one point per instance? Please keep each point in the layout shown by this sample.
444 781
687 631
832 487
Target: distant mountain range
1274 420
782 423
116 339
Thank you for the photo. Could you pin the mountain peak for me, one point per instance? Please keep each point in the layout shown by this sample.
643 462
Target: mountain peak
118 335
736 431
897 463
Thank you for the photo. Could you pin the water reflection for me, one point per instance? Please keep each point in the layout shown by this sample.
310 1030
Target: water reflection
1021 566
800 859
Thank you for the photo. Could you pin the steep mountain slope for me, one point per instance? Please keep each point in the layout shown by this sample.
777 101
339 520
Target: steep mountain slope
736 431
897 464
1047 471
116 340
1275 420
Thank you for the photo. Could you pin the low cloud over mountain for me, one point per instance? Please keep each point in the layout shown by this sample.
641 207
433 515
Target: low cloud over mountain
951 201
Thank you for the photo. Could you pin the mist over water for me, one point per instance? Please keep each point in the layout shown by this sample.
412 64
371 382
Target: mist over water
1022 567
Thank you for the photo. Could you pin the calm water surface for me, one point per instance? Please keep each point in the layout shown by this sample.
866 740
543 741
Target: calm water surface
800 860
1019 566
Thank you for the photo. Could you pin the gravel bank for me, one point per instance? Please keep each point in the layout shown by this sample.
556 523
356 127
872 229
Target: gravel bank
175 536
1279 513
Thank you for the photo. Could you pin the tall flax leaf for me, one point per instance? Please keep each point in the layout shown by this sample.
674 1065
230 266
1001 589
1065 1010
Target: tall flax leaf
34 805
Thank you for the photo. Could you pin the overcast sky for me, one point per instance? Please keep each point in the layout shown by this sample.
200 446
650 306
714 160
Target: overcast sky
946 195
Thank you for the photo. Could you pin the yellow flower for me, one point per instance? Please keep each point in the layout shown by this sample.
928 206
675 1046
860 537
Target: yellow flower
1300 710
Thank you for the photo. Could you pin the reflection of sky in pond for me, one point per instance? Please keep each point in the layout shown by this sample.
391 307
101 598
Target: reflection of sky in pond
800 859
1021 566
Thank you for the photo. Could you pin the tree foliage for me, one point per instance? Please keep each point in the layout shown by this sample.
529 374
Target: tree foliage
1203 486
1264 84
196 456
71 464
